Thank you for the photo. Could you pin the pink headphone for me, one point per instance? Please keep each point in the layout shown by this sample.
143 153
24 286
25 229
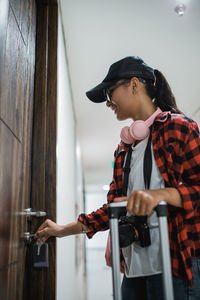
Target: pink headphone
139 129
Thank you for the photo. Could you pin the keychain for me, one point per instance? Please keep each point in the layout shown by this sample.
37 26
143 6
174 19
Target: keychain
40 254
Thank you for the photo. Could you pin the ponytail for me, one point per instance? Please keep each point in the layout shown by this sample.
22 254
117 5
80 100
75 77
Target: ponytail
161 94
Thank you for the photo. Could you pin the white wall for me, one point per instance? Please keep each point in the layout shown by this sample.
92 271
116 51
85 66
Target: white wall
95 198
99 33
70 255
98 274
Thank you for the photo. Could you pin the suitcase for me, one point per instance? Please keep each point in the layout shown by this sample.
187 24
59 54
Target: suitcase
114 210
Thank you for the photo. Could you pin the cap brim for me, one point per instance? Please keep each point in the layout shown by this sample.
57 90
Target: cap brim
97 93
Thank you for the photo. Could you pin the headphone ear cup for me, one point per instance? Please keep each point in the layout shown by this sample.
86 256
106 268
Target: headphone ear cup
125 136
139 130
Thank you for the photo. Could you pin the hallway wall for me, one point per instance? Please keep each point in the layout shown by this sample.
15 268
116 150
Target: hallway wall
98 274
70 250
95 198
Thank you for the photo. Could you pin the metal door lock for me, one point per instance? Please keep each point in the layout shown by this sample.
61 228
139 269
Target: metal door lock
29 213
28 237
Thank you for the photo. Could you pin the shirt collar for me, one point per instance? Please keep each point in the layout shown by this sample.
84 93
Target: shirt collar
163 116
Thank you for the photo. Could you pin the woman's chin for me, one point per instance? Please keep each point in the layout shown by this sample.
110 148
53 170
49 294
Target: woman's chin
120 118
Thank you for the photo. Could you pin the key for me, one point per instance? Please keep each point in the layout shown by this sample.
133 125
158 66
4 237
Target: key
39 244
40 254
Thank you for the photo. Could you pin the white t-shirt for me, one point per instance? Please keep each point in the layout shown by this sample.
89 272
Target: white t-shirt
146 261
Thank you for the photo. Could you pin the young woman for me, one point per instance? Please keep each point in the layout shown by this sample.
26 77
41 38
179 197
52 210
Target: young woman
132 89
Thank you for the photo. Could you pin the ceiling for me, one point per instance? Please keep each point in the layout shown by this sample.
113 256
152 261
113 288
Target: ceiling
98 33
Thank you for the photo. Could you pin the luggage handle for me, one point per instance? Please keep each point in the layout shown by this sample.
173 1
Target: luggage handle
114 210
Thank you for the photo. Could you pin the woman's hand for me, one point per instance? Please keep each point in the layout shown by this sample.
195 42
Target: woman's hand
47 229
142 202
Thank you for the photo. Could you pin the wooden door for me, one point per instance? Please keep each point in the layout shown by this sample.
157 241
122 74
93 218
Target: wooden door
17 64
27 142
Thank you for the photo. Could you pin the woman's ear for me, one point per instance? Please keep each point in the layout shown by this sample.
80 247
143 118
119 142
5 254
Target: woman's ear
134 83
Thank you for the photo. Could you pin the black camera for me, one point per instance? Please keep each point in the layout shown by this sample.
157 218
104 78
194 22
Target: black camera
134 229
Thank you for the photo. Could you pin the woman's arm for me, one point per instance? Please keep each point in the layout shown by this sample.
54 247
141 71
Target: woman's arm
86 223
50 228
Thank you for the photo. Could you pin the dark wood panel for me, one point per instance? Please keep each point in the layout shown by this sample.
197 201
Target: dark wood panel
28 110
13 78
17 66
22 11
17 61
9 279
4 6
43 194
51 123
17 89
10 220
51 137
3 283
39 116
10 174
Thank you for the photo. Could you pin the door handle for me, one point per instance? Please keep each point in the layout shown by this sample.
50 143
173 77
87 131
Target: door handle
29 213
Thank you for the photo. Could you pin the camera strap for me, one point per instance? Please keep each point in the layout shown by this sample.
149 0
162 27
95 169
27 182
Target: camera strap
126 170
147 166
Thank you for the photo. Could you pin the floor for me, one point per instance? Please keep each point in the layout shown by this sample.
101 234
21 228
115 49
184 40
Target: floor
99 276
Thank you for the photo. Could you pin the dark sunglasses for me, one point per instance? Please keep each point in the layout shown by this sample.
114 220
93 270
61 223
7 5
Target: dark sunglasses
108 92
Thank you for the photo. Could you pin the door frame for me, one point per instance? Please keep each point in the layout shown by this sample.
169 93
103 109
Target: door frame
41 283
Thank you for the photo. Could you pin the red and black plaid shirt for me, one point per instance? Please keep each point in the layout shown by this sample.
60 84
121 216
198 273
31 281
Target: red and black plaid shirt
176 148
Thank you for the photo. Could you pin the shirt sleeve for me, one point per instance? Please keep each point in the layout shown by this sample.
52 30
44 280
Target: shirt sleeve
98 220
189 187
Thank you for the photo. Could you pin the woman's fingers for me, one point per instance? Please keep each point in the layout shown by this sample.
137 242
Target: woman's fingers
44 225
140 203
47 229
42 232
133 202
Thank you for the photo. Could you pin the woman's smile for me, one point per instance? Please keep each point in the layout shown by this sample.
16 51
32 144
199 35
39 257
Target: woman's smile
113 106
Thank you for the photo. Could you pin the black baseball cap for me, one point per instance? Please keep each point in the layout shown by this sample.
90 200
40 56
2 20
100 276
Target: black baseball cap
128 67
